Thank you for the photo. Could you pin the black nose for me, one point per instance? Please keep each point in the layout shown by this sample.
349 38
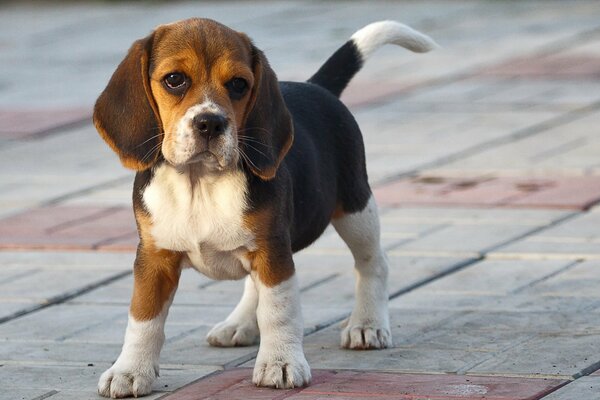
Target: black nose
210 125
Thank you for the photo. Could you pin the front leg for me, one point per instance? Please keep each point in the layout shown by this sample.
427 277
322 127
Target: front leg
280 362
156 275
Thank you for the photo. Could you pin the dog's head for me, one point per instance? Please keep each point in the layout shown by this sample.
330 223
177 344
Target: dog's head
199 94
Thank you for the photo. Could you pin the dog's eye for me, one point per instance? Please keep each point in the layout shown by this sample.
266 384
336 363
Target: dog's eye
175 82
237 88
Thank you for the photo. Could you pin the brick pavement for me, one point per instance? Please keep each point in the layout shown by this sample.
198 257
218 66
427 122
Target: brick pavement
483 156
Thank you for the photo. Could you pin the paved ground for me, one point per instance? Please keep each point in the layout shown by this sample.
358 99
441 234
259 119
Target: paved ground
483 155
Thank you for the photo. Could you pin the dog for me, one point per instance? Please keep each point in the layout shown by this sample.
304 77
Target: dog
235 172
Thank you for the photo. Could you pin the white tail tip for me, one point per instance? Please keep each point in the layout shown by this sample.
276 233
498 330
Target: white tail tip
375 35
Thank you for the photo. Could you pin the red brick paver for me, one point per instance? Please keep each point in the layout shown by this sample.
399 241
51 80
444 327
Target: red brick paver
70 228
566 193
21 124
237 384
555 66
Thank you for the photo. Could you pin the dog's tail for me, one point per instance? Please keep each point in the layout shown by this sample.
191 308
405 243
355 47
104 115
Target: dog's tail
341 67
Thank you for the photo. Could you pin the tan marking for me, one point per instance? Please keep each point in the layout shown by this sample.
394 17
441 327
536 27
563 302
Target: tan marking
269 173
156 274
338 212
272 263
211 55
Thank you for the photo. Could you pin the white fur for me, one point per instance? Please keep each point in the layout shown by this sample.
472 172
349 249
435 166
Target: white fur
137 366
184 144
281 333
375 35
368 325
202 216
241 327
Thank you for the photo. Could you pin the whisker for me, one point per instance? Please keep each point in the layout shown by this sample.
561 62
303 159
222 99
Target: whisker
147 140
252 140
252 147
152 150
246 158
258 128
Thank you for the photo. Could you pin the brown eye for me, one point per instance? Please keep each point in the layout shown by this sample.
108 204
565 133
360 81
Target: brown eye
175 82
237 88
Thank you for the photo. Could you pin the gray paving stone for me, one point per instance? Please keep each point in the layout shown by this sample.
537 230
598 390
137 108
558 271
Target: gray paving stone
463 239
568 355
587 387
24 394
576 238
73 381
323 351
53 275
567 149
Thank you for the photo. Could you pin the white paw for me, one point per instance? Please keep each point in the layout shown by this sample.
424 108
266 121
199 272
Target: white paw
233 333
366 336
118 382
281 372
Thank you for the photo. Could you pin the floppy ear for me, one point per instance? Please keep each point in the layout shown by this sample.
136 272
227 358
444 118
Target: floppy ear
268 121
125 114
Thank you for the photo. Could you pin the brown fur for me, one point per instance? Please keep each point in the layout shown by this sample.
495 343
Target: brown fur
272 261
156 274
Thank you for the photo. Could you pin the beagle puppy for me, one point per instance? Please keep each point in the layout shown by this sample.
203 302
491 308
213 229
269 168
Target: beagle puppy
235 172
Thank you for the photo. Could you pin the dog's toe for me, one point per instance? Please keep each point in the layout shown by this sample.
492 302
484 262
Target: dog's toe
119 384
359 337
282 372
231 334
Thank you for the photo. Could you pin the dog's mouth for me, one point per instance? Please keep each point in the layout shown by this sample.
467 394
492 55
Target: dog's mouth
208 159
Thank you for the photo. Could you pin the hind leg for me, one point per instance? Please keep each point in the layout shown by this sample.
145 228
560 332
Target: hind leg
368 326
241 327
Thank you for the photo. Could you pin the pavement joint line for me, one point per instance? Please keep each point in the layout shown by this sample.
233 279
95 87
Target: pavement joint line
544 278
184 334
61 128
79 192
519 134
93 217
113 239
62 298
420 235
46 395
319 282
491 355
86 328
194 382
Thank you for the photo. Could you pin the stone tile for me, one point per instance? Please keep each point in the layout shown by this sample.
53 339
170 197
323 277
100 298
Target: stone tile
580 280
462 239
63 227
587 387
567 355
570 193
71 381
24 394
236 383
471 216
20 124
31 280
575 238
560 150
497 277
553 66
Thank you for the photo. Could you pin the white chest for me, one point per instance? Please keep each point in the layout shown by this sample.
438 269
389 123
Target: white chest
203 218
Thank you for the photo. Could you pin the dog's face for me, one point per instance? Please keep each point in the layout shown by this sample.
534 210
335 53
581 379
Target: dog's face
198 94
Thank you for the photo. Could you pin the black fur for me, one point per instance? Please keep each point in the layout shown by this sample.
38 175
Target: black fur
339 69
323 171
